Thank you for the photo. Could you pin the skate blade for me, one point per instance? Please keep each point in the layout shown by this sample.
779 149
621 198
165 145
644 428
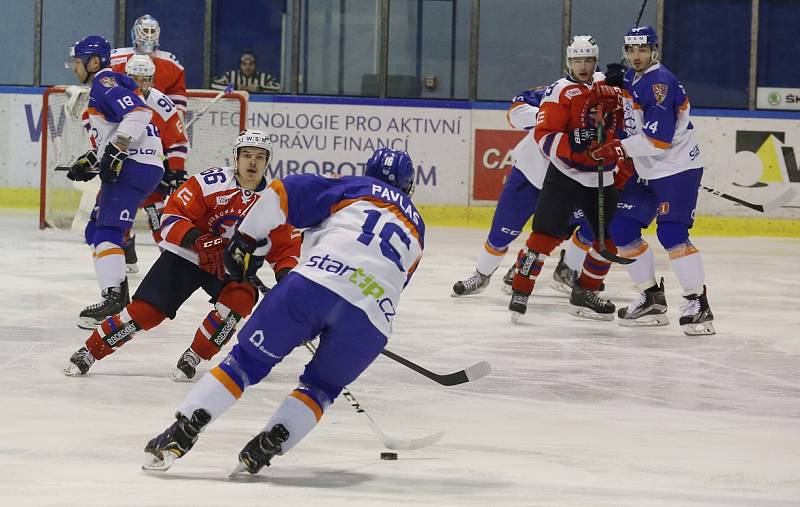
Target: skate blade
585 313
131 268
561 287
517 317
73 371
177 375
657 320
153 463
700 329
87 323
238 471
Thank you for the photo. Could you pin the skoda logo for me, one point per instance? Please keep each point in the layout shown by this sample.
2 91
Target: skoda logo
774 98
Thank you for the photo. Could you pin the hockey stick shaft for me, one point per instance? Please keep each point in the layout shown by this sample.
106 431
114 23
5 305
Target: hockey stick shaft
601 198
641 12
474 372
763 208
203 111
388 442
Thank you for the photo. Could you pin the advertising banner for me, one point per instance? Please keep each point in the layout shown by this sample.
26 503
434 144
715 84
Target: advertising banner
493 161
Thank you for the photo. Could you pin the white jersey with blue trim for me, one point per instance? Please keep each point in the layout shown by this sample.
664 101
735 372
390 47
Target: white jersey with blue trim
528 157
363 240
661 138
116 106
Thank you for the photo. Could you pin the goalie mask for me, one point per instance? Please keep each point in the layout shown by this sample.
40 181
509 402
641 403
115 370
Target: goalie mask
145 33
392 166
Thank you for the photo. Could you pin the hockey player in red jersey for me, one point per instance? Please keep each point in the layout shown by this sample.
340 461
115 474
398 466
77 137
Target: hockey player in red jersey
565 133
198 222
170 77
141 69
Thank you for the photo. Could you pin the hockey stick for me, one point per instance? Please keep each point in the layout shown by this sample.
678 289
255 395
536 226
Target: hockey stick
774 204
641 11
474 372
601 199
395 444
203 111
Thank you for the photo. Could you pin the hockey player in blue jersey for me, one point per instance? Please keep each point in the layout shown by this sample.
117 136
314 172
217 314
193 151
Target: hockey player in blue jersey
127 156
516 205
363 241
669 168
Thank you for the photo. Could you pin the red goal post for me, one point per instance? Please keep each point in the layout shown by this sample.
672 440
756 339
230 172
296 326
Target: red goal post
63 139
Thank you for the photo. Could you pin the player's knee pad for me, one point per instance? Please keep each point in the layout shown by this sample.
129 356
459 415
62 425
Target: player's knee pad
585 236
146 315
239 297
542 243
625 231
316 388
106 234
671 234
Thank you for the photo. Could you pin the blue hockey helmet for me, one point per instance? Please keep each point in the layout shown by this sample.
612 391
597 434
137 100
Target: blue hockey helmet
392 166
641 35
92 45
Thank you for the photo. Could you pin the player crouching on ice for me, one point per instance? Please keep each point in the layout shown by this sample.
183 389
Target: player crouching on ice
130 168
198 221
364 241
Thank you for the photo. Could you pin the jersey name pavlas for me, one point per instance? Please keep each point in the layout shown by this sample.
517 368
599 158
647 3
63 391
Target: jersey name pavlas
399 198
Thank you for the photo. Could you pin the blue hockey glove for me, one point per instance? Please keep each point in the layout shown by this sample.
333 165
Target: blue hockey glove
85 168
240 259
111 163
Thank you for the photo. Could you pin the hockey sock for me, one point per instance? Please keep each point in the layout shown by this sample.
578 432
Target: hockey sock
299 413
643 271
211 394
530 261
153 214
575 251
490 258
215 331
688 267
118 329
595 267
109 264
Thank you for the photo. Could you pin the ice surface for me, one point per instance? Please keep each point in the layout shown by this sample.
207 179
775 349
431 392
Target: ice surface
574 412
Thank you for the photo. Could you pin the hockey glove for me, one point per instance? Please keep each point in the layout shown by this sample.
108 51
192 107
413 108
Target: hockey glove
241 262
625 170
111 163
609 96
615 73
581 138
85 168
210 250
609 152
172 180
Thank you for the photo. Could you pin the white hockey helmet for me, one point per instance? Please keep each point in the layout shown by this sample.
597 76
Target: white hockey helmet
253 138
583 46
140 65
145 33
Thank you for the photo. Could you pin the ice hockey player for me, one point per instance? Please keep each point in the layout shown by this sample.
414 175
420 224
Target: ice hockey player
141 69
170 77
127 156
669 168
364 241
198 222
564 132
516 204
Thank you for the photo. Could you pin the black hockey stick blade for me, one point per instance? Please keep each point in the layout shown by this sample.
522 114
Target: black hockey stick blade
64 168
474 372
615 258
774 204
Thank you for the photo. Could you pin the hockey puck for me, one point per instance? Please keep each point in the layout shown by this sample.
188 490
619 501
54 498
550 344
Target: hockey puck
389 456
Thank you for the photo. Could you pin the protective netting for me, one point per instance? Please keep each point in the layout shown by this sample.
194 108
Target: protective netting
67 204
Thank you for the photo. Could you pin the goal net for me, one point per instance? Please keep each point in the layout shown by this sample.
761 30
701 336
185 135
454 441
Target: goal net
64 204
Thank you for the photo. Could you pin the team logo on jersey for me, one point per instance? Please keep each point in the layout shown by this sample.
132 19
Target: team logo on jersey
663 208
246 196
108 81
660 92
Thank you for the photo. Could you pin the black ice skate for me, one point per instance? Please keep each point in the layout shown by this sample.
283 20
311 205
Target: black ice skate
475 284
564 278
259 451
518 305
508 279
187 366
79 363
587 304
114 301
131 259
162 451
647 310
696 315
